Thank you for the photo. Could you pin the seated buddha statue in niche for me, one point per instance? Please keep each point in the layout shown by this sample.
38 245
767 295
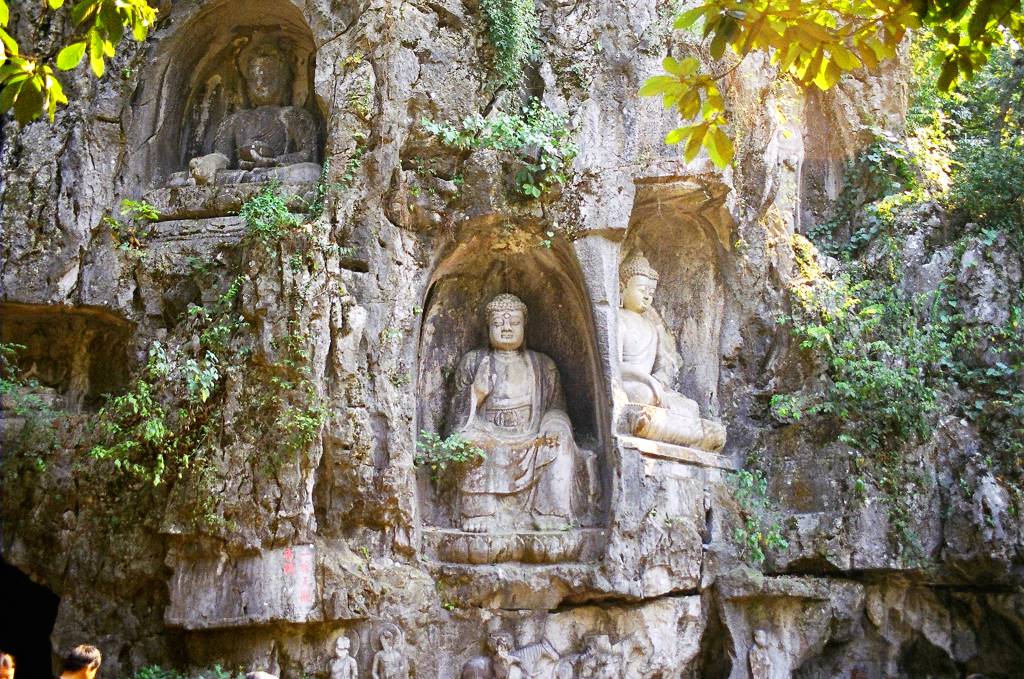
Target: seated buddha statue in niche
509 403
270 140
647 361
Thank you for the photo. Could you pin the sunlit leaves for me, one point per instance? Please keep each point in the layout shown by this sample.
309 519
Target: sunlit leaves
28 85
814 43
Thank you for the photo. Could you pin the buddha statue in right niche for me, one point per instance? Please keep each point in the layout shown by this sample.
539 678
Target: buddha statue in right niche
648 361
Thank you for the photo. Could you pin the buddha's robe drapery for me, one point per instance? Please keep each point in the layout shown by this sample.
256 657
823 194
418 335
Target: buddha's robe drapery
519 420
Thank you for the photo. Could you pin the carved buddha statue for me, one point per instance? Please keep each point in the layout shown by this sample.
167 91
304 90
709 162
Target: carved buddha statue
647 361
270 140
343 666
509 403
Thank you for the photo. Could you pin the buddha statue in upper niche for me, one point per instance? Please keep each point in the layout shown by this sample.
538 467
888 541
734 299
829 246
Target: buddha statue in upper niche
269 140
648 361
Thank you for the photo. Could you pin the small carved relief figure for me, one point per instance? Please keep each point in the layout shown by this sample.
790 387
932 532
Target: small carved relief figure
389 662
533 661
991 501
509 403
647 360
270 140
759 658
344 665
600 660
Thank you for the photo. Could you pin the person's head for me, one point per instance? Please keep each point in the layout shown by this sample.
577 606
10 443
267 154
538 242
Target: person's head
760 637
342 645
506 322
639 281
387 639
83 661
267 75
6 666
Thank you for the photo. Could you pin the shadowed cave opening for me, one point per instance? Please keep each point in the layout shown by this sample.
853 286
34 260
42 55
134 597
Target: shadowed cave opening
71 356
30 612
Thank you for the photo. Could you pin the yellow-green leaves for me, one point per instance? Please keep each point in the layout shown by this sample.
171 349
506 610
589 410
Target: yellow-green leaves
71 56
814 42
28 85
694 95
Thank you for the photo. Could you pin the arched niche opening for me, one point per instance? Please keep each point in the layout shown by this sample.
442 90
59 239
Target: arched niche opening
683 229
196 82
71 357
559 324
26 627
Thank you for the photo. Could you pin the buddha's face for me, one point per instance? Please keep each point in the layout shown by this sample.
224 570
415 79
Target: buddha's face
638 294
266 78
341 647
507 329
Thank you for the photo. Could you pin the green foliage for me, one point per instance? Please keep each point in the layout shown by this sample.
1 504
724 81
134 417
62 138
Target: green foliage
988 187
267 217
537 137
879 358
815 42
512 30
755 534
283 407
438 454
158 672
133 233
19 399
139 432
28 84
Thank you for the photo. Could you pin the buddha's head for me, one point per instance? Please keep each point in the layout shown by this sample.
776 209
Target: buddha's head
638 282
506 322
341 646
388 638
268 76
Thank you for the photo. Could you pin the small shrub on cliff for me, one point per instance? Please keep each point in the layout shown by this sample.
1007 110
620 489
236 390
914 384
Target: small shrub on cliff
267 217
512 31
438 454
133 233
756 533
537 137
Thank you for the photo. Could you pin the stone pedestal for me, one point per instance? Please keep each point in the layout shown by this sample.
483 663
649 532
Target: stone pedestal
535 547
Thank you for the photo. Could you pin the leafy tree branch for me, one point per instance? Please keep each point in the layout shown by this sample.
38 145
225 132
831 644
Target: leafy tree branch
28 82
814 43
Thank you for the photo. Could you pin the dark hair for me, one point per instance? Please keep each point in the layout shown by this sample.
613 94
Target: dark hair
6 659
82 658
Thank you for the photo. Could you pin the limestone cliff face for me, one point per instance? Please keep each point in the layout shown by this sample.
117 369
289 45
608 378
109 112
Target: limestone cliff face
272 544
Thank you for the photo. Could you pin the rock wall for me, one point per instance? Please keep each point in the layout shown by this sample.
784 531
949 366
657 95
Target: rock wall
380 296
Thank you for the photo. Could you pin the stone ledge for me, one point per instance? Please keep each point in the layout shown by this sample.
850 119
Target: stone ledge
194 231
667 451
535 547
198 202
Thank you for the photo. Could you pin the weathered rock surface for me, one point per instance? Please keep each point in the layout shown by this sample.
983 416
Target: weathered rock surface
268 557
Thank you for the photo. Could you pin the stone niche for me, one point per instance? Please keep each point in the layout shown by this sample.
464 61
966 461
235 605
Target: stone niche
226 106
74 356
558 325
682 229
